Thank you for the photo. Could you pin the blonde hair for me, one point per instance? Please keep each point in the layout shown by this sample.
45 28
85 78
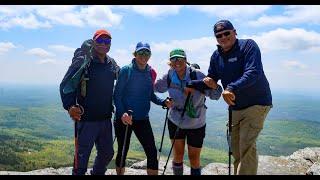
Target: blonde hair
170 64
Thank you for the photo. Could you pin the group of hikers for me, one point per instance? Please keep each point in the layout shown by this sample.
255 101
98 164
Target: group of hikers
89 94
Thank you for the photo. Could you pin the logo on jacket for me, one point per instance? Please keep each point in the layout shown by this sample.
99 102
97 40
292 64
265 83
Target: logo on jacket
233 59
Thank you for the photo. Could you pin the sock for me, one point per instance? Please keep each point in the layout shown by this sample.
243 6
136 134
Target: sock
195 172
177 168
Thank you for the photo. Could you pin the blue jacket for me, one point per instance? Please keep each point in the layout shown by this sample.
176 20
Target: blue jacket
241 71
135 93
98 101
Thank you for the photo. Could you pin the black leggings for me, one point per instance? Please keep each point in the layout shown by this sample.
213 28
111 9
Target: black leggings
143 132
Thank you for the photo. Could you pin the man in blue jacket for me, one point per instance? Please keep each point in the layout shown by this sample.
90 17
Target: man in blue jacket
90 105
237 63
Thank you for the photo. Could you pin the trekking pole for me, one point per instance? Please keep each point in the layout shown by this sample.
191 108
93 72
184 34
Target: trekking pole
75 161
176 132
114 139
115 136
124 142
229 130
164 128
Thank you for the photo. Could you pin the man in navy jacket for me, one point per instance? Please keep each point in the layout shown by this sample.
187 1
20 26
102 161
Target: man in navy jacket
90 105
237 63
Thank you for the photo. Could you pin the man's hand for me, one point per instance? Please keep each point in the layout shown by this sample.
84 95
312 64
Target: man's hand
75 113
169 103
228 97
188 90
126 119
210 82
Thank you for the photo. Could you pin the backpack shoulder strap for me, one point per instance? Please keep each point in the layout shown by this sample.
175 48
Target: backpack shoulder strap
128 71
169 78
193 73
153 74
115 67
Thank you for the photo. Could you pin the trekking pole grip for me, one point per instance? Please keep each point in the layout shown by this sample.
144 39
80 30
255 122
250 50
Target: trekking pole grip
130 112
164 106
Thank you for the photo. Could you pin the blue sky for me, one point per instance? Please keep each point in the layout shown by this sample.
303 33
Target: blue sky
37 42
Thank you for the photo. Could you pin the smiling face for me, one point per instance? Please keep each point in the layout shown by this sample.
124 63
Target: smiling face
142 57
102 44
179 64
226 39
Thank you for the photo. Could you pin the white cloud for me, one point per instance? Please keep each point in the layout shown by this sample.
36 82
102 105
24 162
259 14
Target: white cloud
58 14
47 61
188 44
15 10
100 16
293 64
40 53
6 46
29 21
122 56
39 16
234 11
154 10
198 51
295 39
292 15
62 48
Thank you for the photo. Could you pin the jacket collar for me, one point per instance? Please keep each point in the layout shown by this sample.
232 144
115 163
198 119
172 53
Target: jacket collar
230 51
96 59
135 66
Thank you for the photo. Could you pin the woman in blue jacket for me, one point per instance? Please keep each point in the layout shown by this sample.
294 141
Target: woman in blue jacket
134 91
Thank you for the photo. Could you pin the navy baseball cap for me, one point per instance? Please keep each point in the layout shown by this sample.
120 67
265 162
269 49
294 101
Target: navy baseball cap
222 25
141 46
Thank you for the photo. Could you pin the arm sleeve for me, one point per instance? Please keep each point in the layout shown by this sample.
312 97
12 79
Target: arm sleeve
69 99
155 99
161 85
119 91
212 72
213 94
252 68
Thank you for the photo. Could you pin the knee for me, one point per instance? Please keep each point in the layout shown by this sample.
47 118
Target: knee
107 155
194 156
152 161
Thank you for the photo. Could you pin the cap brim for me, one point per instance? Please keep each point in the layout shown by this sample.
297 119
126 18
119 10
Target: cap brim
181 56
142 48
97 36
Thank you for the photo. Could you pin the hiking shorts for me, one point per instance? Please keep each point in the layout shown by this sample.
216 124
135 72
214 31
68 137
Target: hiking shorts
194 137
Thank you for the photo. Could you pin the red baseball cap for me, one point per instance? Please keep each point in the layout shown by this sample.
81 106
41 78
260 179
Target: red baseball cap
101 32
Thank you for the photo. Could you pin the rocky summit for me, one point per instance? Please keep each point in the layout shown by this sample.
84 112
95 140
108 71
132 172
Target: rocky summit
302 162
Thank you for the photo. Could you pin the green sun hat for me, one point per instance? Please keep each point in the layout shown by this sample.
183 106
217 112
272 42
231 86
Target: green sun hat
178 53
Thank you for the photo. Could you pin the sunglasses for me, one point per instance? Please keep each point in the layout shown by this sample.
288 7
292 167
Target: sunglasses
143 53
174 59
105 41
227 33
